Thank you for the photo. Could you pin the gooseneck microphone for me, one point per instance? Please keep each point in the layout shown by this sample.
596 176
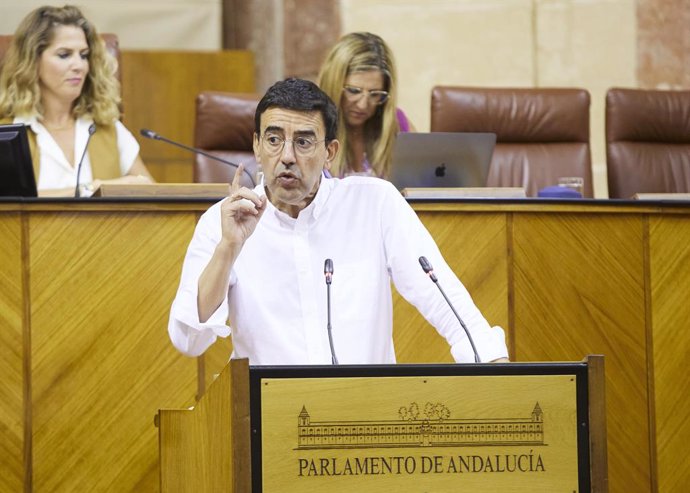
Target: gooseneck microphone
426 266
92 130
328 273
150 134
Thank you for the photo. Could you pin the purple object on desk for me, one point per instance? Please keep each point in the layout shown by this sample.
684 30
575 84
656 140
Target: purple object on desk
557 192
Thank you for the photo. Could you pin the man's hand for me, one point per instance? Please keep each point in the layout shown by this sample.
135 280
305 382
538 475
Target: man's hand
239 215
240 212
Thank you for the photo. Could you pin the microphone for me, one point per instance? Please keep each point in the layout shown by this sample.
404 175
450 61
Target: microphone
328 273
92 130
426 267
150 134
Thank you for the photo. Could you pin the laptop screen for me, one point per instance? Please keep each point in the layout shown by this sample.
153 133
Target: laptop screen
442 159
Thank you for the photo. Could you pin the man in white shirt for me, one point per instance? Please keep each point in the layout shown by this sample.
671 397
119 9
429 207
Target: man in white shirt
257 257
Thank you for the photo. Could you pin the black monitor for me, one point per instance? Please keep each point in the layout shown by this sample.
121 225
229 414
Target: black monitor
16 169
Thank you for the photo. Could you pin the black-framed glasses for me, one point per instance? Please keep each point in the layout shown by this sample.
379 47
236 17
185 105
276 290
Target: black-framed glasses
302 146
354 93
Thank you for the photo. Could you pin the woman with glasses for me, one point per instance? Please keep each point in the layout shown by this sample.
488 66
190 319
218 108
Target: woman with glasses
359 75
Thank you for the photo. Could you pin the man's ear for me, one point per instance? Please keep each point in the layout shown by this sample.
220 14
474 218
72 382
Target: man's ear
256 146
331 152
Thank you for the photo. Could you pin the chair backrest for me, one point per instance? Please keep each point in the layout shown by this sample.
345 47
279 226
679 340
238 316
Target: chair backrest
542 134
111 44
225 128
647 141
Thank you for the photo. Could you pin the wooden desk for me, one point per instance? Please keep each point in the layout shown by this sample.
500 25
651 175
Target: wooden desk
87 285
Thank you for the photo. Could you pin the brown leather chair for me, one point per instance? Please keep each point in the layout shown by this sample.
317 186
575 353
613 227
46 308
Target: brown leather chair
647 141
111 44
225 128
541 134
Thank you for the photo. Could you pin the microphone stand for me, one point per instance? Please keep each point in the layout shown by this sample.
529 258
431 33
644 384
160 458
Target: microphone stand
92 130
150 134
426 266
328 272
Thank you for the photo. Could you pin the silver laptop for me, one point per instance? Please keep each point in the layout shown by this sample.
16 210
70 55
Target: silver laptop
442 159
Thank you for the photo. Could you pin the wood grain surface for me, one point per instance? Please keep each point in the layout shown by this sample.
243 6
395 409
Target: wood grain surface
207 448
563 280
12 419
669 346
579 289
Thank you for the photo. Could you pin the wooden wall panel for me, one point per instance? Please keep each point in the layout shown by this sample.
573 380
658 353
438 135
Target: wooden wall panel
670 292
579 289
474 246
11 355
159 89
102 363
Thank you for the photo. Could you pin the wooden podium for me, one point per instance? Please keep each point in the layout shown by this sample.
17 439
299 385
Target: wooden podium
517 427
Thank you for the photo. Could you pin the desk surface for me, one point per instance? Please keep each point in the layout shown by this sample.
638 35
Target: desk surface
464 204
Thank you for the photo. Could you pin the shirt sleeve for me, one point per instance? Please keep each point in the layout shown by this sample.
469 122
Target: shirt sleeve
127 146
405 240
187 333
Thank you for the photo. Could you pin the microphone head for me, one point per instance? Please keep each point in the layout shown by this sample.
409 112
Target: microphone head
92 129
426 266
149 134
428 269
328 270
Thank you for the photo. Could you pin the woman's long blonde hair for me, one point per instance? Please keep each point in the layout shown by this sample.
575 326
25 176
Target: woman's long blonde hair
20 93
361 52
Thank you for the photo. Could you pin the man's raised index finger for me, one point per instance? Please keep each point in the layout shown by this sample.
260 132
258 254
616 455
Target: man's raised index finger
235 185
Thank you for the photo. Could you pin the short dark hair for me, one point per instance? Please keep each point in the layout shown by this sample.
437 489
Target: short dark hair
299 95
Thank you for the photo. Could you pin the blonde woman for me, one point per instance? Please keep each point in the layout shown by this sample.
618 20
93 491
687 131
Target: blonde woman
59 80
359 75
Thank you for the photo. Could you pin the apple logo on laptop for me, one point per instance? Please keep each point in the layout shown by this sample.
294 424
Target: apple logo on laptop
441 170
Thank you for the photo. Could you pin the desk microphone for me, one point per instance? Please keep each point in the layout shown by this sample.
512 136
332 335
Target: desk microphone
150 134
92 130
328 272
426 266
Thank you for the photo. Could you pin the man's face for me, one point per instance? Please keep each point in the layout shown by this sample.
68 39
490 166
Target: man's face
293 170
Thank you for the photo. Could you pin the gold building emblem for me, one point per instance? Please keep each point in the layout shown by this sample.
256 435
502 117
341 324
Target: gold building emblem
430 426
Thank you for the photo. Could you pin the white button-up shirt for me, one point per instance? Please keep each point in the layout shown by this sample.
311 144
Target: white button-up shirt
276 302
57 172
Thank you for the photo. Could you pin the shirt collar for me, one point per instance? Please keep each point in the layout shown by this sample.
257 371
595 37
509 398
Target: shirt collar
312 211
36 126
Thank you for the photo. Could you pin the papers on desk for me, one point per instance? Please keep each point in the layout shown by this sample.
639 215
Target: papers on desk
662 196
464 193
